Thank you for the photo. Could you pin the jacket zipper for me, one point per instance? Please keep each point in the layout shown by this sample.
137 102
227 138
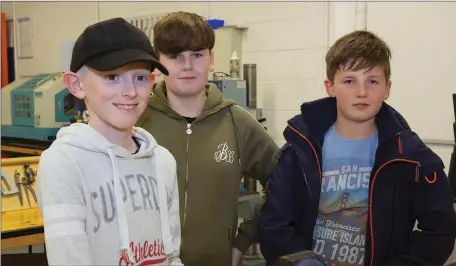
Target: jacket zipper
188 132
320 169
317 158
370 199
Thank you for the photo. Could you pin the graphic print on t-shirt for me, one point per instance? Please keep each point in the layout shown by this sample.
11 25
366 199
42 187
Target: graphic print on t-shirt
340 231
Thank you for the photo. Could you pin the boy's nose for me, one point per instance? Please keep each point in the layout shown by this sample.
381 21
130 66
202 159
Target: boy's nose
361 90
129 90
187 63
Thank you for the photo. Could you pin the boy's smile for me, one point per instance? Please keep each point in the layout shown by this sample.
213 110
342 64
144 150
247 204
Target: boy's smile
125 106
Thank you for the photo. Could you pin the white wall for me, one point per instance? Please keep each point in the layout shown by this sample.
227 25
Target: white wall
53 24
288 41
7 8
421 36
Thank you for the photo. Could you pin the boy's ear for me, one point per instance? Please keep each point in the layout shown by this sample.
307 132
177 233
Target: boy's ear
157 72
73 83
329 88
211 64
388 90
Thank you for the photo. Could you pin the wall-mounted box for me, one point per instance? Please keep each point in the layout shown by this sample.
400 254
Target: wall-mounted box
227 40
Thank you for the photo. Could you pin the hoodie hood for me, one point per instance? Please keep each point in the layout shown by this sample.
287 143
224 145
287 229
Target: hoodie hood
214 102
84 137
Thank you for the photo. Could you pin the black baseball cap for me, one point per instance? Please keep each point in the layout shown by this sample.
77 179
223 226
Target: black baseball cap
111 44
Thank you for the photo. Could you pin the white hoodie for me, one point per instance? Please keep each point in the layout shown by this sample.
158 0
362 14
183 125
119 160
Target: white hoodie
97 199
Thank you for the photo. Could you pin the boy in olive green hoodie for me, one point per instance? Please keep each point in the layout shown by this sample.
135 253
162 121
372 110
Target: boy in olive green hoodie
215 143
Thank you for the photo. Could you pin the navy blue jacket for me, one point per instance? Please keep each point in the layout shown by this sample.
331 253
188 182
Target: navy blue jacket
407 184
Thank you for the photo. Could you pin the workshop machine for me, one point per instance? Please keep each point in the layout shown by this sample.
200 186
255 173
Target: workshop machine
236 90
35 108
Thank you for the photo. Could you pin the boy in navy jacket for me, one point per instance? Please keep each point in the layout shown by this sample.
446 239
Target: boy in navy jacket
353 178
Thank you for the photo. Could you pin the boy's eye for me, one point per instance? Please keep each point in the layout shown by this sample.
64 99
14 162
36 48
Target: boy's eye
111 77
348 81
374 82
197 55
142 78
173 57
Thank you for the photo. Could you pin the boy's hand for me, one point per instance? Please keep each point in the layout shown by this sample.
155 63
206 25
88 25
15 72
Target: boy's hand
237 257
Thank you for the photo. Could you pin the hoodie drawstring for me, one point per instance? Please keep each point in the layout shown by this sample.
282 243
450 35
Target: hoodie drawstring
164 216
127 254
122 219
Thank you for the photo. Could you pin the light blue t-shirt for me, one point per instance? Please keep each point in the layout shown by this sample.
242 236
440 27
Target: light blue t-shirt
340 231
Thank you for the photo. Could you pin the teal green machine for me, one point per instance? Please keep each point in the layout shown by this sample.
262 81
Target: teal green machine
236 90
35 108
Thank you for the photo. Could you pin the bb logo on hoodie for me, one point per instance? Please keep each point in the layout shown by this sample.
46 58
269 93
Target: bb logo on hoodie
223 153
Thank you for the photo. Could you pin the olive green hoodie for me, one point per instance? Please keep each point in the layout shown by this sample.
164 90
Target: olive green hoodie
213 153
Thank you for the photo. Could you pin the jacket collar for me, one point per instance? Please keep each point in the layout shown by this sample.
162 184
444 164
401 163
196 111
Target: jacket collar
394 133
214 100
318 116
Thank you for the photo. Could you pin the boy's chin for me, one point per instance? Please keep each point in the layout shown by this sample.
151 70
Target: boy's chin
124 125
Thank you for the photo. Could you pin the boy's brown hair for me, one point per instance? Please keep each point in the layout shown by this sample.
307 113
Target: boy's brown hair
182 31
358 50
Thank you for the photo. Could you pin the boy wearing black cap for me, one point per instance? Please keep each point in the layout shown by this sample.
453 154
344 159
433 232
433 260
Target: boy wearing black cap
107 191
